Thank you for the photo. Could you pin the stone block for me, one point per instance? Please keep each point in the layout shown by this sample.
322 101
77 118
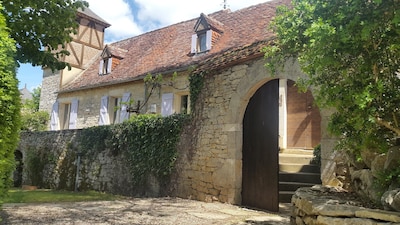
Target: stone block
326 220
379 215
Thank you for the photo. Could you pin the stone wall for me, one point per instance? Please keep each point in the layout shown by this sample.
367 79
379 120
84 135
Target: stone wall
50 87
55 157
211 165
330 206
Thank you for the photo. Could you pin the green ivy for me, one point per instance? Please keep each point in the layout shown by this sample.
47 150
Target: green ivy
196 83
148 141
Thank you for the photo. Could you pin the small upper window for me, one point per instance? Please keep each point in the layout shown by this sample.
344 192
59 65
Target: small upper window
201 41
105 65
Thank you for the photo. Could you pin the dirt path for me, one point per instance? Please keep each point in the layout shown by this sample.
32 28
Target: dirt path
138 211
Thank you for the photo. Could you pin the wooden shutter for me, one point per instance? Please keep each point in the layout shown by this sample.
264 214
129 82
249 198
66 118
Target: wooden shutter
208 39
54 120
73 114
194 44
104 120
124 105
101 65
109 65
167 103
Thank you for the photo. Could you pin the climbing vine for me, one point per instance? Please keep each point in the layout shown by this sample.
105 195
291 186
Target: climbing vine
196 83
147 141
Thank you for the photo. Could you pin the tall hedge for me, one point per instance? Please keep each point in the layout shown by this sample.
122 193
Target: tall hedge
9 107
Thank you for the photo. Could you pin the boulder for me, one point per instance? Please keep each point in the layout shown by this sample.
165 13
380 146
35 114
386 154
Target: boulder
378 164
363 184
368 155
393 158
391 200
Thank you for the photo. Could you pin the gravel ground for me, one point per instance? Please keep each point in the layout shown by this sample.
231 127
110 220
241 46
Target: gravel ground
139 211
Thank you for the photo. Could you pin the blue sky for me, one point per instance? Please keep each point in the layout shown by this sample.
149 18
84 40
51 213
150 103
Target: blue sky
129 18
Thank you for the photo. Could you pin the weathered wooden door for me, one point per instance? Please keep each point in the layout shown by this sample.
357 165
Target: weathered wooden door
303 119
260 149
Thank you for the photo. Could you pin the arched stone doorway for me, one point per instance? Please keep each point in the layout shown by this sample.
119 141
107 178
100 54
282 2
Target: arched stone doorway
296 123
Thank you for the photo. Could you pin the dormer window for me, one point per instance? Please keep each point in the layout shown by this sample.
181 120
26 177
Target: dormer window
207 31
201 41
105 65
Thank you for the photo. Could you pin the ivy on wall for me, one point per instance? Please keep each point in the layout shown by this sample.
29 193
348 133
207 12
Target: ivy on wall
148 141
196 83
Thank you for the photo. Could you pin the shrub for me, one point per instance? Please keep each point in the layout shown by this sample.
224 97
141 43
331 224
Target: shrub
9 108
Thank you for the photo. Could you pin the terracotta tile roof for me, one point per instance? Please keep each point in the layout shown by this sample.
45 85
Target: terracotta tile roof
168 49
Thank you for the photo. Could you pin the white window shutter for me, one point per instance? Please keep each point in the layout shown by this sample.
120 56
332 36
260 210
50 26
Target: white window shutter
124 105
73 114
166 104
208 39
101 65
104 119
194 44
54 120
109 65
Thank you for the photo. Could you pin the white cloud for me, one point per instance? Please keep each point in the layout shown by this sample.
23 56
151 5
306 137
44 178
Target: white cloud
119 15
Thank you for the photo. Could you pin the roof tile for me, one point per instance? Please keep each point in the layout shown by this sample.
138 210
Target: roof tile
168 48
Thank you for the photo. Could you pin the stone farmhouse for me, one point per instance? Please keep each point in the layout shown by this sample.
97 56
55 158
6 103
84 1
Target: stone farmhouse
247 121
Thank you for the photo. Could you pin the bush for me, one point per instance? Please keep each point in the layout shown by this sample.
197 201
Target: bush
34 121
9 108
147 141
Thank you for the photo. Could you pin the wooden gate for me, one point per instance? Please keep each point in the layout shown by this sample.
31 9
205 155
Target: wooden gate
260 149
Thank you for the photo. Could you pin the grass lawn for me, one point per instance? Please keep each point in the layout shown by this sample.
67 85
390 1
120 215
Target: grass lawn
47 195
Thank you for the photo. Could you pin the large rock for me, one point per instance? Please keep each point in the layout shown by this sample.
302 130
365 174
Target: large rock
393 158
363 184
378 165
368 155
391 200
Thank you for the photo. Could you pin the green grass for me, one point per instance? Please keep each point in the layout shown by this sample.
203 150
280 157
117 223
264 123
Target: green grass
47 195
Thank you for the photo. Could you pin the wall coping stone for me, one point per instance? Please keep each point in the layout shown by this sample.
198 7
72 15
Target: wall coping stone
332 205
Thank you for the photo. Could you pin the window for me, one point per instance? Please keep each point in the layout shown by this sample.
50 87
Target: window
184 106
201 41
105 65
115 110
64 116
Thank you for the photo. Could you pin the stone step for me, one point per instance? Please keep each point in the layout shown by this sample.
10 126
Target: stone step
301 177
294 168
297 151
292 186
295 159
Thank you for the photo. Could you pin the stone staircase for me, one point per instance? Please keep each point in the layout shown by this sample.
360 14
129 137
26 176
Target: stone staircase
296 170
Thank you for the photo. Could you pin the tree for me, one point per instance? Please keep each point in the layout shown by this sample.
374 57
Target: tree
41 28
350 51
31 118
9 107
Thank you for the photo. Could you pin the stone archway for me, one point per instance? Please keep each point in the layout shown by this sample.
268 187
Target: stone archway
256 75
